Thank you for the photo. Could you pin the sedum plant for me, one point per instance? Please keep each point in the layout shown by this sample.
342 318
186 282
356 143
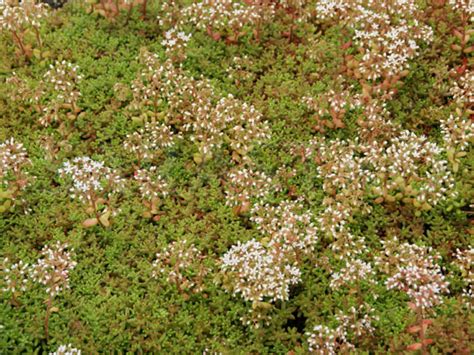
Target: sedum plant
463 31
415 271
232 19
153 189
149 142
330 108
262 271
175 43
19 20
245 186
165 93
55 98
259 273
111 9
183 265
387 35
13 175
15 278
62 95
66 350
351 327
52 271
94 185
464 262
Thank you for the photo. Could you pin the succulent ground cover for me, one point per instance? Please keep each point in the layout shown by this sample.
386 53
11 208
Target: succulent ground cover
221 177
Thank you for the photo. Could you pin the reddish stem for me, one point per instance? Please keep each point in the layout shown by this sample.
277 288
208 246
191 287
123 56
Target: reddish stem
20 42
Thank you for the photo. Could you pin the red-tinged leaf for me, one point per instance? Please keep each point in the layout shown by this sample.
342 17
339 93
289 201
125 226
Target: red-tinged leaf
346 45
255 33
414 347
378 200
427 321
414 329
412 306
469 49
339 123
231 40
236 210
461 69
428 341
209 30
458 34
90 222
214 35
292 190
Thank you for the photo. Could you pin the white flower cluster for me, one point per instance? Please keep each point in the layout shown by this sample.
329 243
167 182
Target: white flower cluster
66 350
457 132
229 121
259 272
90 179
19 89
327 341
344 181
464 6
63 77
182 263
355 271
148 87
17 18
465 262
411 165
52 269
244 185
386 32
228 19
175 42
333 104
463 90
267 268
150 140
342 169
414 271
287 226
222 14
406 167
330 9
375 123
356 324
386 165
192 106
13 159
151 184
15 276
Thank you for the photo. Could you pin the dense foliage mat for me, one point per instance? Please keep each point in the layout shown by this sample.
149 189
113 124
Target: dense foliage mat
229 176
